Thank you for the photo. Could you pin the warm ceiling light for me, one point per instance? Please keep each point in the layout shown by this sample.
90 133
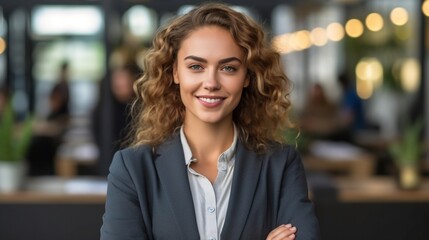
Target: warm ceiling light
318 36
2 45
354 28
299 40
399 16
374 22
425 8
335 32
281 43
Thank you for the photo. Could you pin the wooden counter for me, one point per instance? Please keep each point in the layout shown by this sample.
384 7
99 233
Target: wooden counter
379 189
39 197
361 166
339 158
82 190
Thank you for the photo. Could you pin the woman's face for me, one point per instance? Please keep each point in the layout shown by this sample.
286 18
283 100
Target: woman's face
211 73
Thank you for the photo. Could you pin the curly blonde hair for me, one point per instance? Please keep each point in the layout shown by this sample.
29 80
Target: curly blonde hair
262 114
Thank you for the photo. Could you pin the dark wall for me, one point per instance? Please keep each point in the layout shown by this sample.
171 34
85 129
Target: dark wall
338 221
50 221
374 221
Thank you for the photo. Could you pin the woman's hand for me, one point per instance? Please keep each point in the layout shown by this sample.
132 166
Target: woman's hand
284 231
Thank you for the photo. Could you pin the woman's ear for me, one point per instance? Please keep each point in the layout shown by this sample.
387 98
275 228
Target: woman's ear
247 80
175 74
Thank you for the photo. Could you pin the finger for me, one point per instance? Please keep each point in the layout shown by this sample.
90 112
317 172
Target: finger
286 234
277 230
283 232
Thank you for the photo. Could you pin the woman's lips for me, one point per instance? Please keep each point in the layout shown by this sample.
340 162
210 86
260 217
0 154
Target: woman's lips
211 101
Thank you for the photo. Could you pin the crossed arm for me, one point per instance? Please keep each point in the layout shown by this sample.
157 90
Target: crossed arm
284 231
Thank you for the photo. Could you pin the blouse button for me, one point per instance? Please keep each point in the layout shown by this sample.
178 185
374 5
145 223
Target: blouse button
223 167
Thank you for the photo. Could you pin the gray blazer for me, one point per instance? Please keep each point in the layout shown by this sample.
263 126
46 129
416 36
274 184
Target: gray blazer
149 197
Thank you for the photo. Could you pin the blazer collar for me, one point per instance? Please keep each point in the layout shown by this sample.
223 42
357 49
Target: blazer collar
173 176
246 176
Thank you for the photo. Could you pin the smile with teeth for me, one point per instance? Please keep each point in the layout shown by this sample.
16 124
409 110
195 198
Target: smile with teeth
210 100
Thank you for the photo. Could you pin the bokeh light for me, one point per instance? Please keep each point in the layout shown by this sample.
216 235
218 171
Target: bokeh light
399 16
300 40
2 45
364 89
335 32
369 75
281 43
318 36
410 75
354 28
425 8
374 22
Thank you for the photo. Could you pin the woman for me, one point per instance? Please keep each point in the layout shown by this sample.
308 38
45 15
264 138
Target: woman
208 160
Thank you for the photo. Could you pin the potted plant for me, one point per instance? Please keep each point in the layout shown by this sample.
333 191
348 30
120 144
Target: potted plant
407 154
14 140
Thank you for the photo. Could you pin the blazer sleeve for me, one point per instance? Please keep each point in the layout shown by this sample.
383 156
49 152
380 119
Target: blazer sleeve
123 217
295 206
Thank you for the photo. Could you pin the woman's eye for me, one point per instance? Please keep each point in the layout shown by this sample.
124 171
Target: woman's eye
229 69
196 67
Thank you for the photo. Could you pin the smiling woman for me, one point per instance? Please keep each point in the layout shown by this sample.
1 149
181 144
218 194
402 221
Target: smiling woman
207 158
211 76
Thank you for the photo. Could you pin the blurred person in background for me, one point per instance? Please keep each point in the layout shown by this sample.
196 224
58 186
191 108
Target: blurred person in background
122 89
48 133
323 118
116 109
352 114
319 117
59 98
208 157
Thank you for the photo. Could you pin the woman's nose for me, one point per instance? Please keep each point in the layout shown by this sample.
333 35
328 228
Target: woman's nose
211 81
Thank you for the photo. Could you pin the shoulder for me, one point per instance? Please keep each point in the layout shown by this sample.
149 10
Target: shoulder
136 163
135 152
282 156
274 152
282 151
133 156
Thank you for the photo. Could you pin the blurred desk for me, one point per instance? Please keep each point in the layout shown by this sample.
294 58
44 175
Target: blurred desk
59 190
52 208
72 155
379 189
38 197
68 166
361 166
339 157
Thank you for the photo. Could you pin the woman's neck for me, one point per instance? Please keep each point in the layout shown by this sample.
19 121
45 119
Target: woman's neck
208 141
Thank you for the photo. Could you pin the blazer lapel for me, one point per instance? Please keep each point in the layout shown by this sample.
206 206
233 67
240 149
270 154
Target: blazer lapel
244 183
172 171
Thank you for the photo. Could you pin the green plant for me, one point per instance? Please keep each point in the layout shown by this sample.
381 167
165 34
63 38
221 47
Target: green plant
14 139
408 151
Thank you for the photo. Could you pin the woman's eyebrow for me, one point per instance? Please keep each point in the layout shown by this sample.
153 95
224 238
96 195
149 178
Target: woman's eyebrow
230 59
196 58
222 61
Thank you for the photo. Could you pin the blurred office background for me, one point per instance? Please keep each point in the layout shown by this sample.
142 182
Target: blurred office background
359 74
